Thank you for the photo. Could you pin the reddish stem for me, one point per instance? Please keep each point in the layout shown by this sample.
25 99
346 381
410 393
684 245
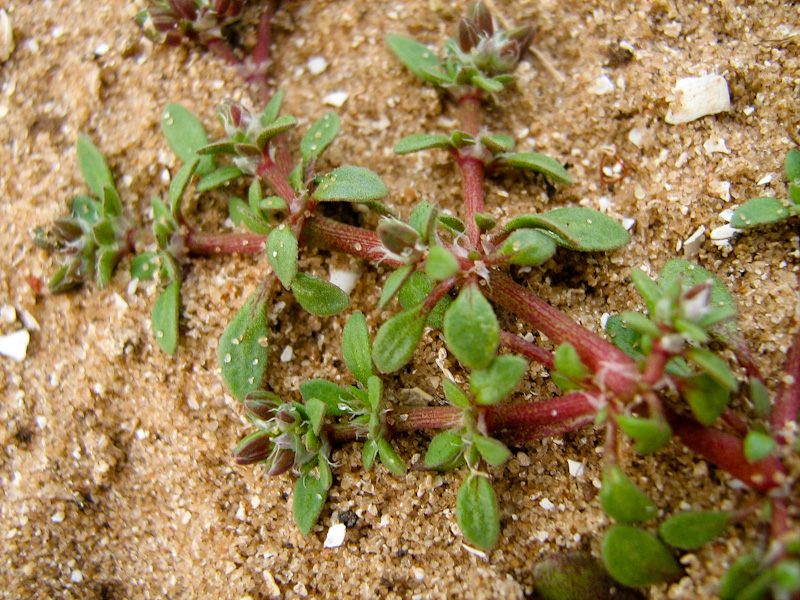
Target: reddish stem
332 235
654 365
472 170
783 419
527 349
222 50
224 243
469 112
269 172
614 369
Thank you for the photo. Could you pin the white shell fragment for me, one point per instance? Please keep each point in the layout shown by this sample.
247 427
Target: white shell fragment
335 537
601 86
691 245
15 345
697 97
287 355
316 65
576 469
344 280
6 37
337 98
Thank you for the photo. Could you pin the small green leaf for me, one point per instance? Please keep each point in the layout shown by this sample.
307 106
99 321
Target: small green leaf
760 211
471 330
319 136
178 185
397 339
272 109
485 222
278 126
706 398
144 266
528 247
641 324
758 445
93 167
103 233
252 220
624 338
744 570
308 500
759 395
487 84
415 56
107 258
539 163
282 254
219 177
337 399
350 184
211 150
637 559
355 347
441 263
273 204
414 290
568 363
498 142
444 448
318 297
649 434
112 206
422 141
185 135
493 451
714 366
649 289
791 165
316 410
389 457
622 500
476 512
375 393
492 384
86 209
368 453
453 224
243 347
690 530
165 317
575 575
581 228
454 394
393 284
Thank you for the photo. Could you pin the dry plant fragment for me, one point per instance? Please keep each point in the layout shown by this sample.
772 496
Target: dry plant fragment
6 37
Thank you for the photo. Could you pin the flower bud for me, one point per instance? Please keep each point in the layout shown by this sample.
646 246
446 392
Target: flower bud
255 448
185 9
282 461
398 238
262 404
467 35
482 18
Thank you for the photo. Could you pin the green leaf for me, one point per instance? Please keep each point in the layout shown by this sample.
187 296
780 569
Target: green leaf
282 254
415 56
350 184
539 163
471 330
219 177
485 222
760 211
568 363
318 297
86 209
337 399
758 445
706 398
623 337
493 451
498 380
368 453
389 457
498 142
316 410
649 434
211 150
178 185
759 395
487 84
581 228
273 204
649 289
103 233
93 167
422 141
144 266
185 135
397 339
528 247
637 559
739 575
308 500
107 258
272 109
355 347
278 126
454 394
414 290
714 366
575 575
319 136
444 448
243 347
393 284
112 206
441 263
690 530
476 512
791 165
641 324
252 220
375 393
165 317
622 500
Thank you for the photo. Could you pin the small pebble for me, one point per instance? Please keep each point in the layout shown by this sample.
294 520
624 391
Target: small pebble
287 354
317 65
15 345
696 97
335 537
337 98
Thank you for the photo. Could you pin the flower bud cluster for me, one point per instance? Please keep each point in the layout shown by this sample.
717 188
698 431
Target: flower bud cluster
170 21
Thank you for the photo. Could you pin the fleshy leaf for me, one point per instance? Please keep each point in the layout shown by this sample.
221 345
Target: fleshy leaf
476 512
492 384
308 500
165 318
389 457
422 141
219 177
539 163
635 558
415 56
528 247
690 530
444 448
243 347
350 184
282 254
471 330
93 166
760 211
397 339
319 136
622 500
577 228
318 297
355 347
185 135
649 434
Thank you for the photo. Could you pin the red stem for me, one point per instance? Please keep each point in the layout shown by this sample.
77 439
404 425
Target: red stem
269 172
469 112
332 235
527 349
783 419
472 170
224 243
222 50
614 369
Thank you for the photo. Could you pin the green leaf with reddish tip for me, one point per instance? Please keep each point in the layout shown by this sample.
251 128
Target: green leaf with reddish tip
636 558
649 434
282 254
397 339
219 177
419 59
494 383
539 163
317 296
471 330
493 451
355 348
307 502
760 211
422 141
186 135
476 512
319 136
243 347
690 530
350 184
164 318
444 448
93 166
622 500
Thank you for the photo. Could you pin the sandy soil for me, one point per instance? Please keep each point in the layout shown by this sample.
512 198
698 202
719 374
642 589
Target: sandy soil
115 459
